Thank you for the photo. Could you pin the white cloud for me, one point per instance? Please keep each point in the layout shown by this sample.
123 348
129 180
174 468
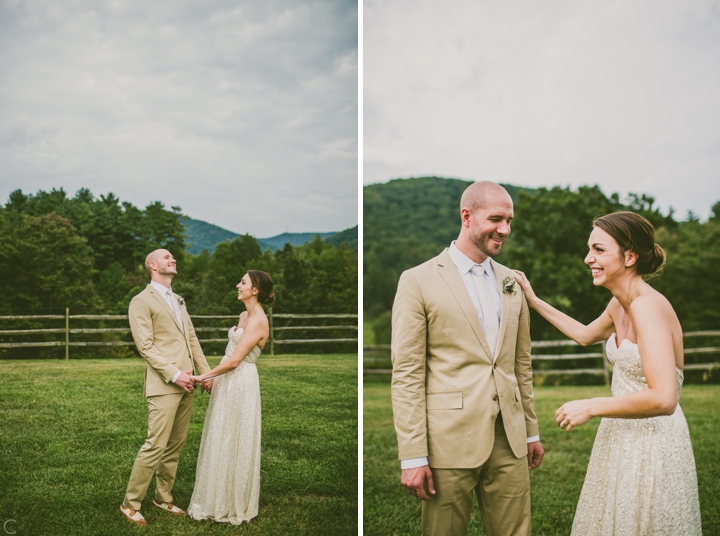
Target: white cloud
558 93
189 103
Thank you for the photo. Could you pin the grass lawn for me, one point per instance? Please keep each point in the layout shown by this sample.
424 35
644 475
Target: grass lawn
71 430
555 485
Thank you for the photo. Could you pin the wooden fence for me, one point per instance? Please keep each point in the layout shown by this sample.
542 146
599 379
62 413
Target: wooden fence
370 357
67 331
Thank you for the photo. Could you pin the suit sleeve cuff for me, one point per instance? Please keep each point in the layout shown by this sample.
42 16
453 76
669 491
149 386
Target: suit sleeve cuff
412 463
177 375
533 439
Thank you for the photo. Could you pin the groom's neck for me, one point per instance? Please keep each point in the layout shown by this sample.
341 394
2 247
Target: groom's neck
467 248
164 280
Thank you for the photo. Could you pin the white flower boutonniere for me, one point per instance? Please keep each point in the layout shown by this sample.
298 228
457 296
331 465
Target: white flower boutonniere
180 300
509 285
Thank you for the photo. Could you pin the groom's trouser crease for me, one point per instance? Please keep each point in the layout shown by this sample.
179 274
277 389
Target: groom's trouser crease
501 484
168 421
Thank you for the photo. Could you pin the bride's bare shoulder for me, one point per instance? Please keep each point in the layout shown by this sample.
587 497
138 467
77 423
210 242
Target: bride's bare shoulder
655 304
242 320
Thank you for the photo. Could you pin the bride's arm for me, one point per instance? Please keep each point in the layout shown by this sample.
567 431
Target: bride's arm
652 322
598 330
253 333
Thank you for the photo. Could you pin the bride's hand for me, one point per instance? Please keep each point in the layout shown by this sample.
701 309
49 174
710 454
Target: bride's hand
522 279
206 386
572 414
196 379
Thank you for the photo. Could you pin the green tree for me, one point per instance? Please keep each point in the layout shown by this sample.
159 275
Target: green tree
45 264
119 234
691 280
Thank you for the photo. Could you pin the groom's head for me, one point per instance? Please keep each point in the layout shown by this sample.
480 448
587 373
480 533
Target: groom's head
161 264
486 210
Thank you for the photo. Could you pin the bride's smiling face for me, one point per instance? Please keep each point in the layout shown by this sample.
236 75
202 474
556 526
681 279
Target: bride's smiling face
604 257
245 288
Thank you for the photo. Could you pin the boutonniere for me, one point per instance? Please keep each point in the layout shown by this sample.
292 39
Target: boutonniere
509 285
181 301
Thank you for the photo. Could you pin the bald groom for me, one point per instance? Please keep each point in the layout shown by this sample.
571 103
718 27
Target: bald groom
462 379
165 338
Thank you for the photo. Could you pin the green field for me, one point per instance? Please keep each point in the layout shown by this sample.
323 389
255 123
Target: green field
555 485
71 430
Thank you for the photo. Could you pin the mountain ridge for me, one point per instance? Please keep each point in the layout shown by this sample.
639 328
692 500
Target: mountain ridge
204 235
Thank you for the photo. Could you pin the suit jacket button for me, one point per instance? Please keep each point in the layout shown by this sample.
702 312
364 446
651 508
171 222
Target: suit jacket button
495 398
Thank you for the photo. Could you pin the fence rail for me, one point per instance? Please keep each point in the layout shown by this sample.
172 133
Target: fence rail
68 317
605 370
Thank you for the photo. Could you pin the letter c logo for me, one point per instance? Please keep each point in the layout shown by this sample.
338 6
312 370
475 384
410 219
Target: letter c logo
5 526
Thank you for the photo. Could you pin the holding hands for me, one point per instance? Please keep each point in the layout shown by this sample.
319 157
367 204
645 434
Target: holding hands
205 385
185 381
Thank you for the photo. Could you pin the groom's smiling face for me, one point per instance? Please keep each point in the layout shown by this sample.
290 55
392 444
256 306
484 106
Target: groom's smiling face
165 262
490 223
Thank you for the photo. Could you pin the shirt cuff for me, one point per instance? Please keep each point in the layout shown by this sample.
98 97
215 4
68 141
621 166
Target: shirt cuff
177 375
412 463
533 439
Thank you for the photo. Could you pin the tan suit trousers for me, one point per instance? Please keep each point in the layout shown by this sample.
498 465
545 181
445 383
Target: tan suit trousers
168 422
502 487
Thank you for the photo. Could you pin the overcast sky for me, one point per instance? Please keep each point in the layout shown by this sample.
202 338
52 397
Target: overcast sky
243 113
620 94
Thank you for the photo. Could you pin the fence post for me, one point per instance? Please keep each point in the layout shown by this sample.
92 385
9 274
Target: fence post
606 367
67 333
272 334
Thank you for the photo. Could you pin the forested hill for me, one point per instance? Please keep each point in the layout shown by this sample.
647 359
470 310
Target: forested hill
405 223
87 252
203 235
421 214
408 221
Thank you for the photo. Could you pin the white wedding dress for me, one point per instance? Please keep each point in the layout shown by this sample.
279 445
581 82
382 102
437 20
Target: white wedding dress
641 477
227 481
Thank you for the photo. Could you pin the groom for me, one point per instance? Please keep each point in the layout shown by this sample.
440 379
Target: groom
462 379
165 338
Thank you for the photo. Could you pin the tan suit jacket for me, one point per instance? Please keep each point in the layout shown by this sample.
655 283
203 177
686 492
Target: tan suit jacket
445 384
162 342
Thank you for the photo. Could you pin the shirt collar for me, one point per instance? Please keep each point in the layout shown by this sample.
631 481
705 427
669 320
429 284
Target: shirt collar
464 263
162 289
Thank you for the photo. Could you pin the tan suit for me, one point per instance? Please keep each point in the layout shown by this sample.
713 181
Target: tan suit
167 348
446 386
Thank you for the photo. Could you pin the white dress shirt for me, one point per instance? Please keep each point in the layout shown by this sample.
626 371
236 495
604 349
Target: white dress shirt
464 266
174 305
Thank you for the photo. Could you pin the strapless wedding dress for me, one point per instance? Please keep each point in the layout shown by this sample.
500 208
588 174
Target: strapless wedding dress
227 481
641 477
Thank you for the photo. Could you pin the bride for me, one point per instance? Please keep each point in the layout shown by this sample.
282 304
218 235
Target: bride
641 477
227 482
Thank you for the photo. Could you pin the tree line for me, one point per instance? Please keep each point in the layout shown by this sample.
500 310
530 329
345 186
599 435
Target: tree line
88 253
408 221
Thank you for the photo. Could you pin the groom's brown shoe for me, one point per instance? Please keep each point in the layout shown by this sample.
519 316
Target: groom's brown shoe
133 516
170 507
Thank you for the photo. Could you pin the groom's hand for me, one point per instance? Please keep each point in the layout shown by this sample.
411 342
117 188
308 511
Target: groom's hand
185 381
535 454
414 480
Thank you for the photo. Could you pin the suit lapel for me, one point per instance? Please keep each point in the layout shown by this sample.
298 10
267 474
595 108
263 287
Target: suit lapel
185 317
504 302
452 278
166 305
